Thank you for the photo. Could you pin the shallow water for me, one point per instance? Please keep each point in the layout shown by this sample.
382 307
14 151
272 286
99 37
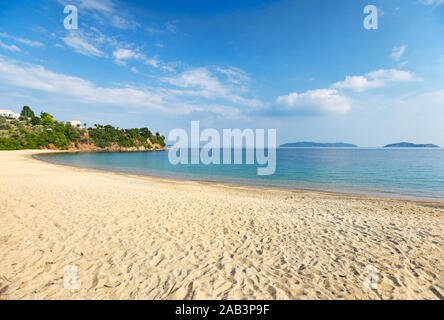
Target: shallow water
410 173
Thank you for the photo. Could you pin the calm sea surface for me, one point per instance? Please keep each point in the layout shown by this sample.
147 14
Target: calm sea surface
410 173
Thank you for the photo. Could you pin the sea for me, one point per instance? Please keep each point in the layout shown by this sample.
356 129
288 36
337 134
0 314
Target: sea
404 173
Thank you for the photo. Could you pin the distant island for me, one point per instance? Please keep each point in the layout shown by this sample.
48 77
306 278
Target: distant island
29 131
318 145
410 145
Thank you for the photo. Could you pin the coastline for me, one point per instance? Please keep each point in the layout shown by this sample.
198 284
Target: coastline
263 187
140 237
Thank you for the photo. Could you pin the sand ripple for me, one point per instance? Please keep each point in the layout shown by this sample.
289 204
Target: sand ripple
143 238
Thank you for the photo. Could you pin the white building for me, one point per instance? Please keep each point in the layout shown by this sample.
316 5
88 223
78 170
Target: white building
75 123
9 114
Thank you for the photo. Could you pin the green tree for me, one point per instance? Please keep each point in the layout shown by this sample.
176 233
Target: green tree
71 132
4 125
47 119
36 121
56 137
27 113
19 135
9 144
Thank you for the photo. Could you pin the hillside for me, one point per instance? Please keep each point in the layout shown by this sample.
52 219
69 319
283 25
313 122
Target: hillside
33 132
318 145
410 145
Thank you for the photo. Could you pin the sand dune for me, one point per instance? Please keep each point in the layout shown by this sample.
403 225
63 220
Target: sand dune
133 237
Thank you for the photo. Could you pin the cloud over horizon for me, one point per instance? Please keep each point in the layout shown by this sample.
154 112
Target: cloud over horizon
313 102
375 79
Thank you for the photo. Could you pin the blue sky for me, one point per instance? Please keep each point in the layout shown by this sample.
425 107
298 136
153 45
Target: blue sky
307 68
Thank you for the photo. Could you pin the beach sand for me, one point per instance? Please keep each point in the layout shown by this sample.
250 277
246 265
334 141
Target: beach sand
135 237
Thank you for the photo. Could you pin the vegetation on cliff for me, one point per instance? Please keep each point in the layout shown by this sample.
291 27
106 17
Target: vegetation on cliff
33 132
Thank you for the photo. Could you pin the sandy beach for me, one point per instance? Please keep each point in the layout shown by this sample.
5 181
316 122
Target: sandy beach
135 237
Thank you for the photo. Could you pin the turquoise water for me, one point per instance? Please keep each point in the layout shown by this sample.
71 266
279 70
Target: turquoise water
410 173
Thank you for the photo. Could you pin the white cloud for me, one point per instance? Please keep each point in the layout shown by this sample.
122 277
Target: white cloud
21 40
314 102
375 79
391 75
100 5
403 63
122 54
122 23
434 3
37 77
357 83
171 27
93 43
332 100
83 91
397 52
200 82
171 66
121 63
81 43
235 75
197 78
29 42
9 47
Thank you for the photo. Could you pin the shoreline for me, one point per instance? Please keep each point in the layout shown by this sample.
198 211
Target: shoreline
370 195
138 237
